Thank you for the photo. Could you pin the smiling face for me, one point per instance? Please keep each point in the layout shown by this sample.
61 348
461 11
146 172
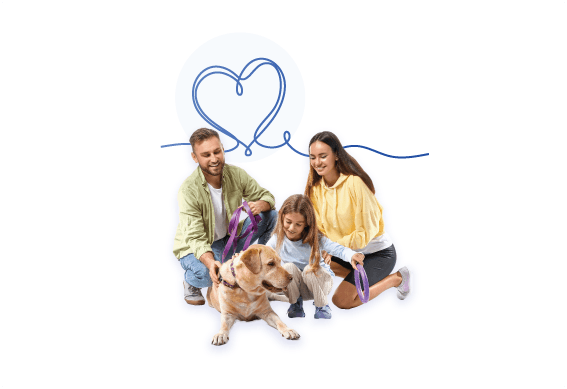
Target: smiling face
293 225
209 154
323 160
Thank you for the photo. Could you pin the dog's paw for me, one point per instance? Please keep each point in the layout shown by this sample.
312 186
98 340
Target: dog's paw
290 334
220 339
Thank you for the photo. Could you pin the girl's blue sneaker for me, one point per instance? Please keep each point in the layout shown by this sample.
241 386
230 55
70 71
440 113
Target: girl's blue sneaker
296 310
323 312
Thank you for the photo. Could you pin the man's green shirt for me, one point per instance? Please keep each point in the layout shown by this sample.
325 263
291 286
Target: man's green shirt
196 229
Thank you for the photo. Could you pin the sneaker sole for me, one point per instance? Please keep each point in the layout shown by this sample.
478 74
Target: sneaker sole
195 302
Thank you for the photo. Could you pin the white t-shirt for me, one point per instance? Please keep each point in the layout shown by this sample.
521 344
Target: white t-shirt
379 243
221 227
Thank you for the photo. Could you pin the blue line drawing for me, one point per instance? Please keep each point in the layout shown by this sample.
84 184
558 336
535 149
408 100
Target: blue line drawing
239 90
263 126
387 155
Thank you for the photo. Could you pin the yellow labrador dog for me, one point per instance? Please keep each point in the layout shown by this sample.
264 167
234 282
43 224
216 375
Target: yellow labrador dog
247 280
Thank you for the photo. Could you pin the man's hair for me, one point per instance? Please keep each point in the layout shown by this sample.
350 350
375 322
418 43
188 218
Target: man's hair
202 134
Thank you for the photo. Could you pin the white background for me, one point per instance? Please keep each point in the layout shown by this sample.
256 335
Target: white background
90 292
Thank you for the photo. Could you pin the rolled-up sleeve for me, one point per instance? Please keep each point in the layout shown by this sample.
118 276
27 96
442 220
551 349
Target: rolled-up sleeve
252 191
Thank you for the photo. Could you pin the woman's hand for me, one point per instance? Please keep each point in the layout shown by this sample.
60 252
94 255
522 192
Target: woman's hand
357 258
326 257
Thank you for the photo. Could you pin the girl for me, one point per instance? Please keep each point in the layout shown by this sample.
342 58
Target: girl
348 213
298 242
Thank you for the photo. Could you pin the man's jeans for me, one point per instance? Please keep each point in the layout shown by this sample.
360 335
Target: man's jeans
197 274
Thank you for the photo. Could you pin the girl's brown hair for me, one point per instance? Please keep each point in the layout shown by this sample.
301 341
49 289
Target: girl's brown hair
346 164
310 235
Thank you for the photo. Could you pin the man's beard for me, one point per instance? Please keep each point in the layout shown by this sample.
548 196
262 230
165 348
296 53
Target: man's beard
218 168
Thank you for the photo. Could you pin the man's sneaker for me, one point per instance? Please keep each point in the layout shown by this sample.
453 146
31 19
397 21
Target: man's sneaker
323 312
193 295
296 310
404 288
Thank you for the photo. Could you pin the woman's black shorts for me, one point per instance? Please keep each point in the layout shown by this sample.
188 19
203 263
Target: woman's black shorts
377 265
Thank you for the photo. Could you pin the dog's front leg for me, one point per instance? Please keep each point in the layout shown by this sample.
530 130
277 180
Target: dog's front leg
274 320
276 297
226 323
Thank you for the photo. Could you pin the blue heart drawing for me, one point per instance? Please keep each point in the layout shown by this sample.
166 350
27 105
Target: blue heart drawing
238 78
263 126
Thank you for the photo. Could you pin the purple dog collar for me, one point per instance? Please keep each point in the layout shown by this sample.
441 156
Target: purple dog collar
234 275
360 273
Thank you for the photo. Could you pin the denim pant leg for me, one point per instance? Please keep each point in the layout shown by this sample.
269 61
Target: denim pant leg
265 228
218 247
196 273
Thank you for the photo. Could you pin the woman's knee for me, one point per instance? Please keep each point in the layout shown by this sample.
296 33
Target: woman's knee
343 300
338 301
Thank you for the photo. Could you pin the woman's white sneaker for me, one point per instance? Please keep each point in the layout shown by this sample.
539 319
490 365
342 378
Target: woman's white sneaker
404 288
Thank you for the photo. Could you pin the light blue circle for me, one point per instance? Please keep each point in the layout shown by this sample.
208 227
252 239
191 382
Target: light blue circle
215 97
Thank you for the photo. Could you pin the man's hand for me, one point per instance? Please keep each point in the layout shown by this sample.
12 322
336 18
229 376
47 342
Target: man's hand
208 259
357 258
258 206
213 273
326 257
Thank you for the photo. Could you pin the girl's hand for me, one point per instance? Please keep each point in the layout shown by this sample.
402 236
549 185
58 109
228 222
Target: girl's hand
357 258
326 257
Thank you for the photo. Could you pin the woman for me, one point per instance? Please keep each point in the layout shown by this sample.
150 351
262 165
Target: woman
348 213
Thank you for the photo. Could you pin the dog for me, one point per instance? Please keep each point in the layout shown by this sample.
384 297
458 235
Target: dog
246 282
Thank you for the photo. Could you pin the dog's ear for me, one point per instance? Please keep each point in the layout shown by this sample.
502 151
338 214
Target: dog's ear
251 259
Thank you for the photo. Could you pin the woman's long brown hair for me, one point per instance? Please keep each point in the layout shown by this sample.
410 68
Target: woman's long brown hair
346 164
310 235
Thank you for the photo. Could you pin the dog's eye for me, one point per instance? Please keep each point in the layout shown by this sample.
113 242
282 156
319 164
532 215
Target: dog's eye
271 264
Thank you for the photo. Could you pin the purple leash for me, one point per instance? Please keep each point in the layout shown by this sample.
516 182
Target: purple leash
233 229
360 273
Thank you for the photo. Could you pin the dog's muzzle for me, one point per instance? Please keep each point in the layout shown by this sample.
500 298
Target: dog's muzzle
272 288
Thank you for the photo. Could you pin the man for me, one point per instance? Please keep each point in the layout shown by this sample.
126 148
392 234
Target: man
207 199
